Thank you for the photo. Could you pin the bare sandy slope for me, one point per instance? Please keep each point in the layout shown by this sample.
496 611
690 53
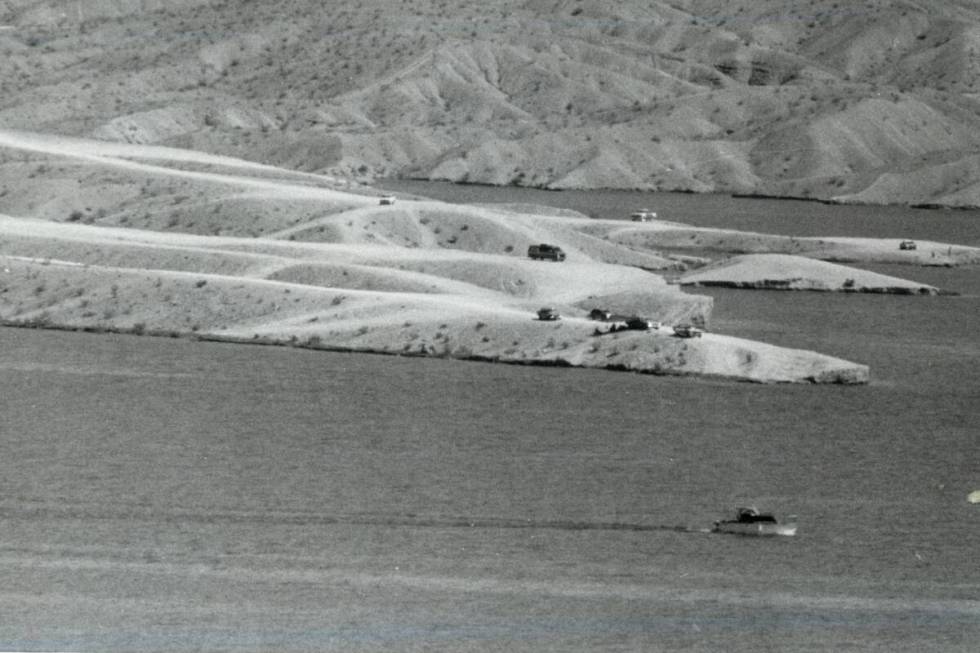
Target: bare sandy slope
418 277
872 103
786 272
367 298
667 236
137 186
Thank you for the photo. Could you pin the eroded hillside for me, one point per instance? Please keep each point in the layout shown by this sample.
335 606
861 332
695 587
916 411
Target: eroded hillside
868 102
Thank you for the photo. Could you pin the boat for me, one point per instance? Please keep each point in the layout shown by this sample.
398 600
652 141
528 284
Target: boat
749 521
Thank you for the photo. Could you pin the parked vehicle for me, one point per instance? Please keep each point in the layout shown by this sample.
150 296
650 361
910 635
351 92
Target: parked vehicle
643 215
641 324
546 252
907 244
687 331
386 200
548 314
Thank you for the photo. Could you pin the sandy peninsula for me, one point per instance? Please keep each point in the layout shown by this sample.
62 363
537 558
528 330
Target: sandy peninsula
182 243
787 272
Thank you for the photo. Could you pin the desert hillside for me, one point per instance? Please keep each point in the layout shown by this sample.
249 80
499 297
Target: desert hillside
873 101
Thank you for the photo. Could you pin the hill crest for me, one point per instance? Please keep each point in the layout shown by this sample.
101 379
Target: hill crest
693 95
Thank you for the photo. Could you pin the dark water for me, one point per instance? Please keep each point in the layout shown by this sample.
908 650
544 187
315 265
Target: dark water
789 217
162 494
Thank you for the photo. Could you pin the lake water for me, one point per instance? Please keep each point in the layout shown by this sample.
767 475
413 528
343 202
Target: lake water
163 494
791 217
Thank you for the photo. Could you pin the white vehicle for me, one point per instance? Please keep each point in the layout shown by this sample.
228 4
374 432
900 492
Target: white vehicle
687 331
643 215
386 200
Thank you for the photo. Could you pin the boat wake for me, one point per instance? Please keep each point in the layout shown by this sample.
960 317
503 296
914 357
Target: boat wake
395 520
497 522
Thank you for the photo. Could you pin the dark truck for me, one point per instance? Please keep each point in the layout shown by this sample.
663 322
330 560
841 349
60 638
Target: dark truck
546 252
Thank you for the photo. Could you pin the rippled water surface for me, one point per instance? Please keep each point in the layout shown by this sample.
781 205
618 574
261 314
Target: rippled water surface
161 494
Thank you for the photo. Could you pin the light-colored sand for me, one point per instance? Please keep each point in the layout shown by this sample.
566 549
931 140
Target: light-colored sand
786 272
419 278
366 298
664 236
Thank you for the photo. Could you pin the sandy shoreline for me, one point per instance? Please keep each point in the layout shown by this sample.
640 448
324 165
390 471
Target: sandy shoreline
328 268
